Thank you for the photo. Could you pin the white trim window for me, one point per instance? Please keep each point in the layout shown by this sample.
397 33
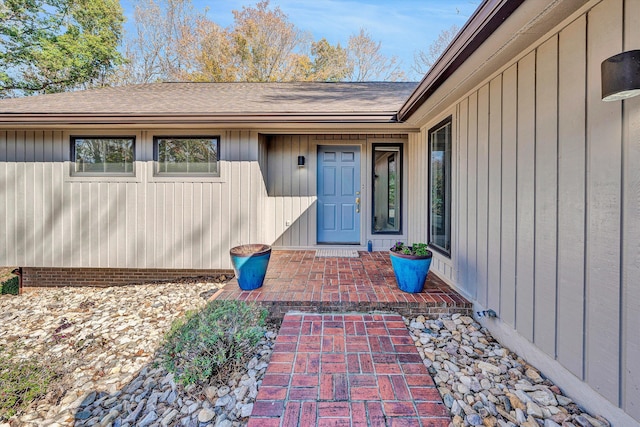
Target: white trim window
187 155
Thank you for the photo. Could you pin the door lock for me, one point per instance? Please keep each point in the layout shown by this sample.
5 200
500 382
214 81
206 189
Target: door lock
357 204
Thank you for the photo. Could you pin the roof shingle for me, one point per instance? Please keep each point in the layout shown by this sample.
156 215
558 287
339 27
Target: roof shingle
175 99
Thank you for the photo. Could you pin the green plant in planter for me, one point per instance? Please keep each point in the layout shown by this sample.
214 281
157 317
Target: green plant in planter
417 249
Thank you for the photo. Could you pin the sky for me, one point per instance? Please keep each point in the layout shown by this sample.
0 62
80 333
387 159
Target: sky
402 26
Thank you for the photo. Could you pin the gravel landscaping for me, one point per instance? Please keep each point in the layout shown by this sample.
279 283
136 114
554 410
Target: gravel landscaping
485 384
104 344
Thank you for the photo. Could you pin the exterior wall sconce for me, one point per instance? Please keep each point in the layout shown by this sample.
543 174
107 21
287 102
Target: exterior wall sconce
621 76
300 161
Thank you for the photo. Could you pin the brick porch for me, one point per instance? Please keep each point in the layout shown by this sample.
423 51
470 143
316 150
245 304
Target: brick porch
300 281
347 370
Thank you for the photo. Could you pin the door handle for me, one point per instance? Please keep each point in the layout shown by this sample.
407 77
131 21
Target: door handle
357 204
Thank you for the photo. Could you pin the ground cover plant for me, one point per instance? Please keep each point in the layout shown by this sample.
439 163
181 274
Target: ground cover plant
10 286
21 381
206 346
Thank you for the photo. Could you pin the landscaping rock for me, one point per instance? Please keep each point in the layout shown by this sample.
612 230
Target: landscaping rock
483 383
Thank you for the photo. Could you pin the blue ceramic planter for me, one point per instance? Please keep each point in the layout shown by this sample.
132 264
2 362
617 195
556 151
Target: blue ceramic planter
410 270
250 265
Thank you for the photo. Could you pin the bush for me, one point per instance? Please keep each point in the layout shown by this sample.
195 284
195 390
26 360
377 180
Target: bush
21 382
213 341
11 286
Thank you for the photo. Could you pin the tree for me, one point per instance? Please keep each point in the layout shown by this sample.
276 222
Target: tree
266 45
368 63
424 60
56 45
330 63
165 46
215 57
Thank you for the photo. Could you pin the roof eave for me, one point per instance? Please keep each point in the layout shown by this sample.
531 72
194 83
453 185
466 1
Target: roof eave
482 24
9 119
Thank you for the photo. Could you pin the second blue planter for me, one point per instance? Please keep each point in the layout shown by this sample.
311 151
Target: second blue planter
250 264
410 271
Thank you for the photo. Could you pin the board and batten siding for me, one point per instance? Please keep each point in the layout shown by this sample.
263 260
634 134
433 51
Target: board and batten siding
291 210
52 220
547 201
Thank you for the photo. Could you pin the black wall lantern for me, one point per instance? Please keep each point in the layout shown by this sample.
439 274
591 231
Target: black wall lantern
300 160
621 76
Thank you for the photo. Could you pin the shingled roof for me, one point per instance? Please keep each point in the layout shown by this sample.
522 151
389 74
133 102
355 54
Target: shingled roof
352 102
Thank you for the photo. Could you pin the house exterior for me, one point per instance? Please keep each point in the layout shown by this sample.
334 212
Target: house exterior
504 158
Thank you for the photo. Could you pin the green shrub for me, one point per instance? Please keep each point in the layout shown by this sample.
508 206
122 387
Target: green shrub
10 286
21 382
209 343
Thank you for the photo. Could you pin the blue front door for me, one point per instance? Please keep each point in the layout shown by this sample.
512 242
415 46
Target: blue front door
339 194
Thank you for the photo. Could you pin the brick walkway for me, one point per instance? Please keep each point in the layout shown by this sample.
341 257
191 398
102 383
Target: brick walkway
300 281
346 370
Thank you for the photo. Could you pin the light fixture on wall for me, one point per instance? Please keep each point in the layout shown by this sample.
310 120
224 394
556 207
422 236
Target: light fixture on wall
300 161
621 76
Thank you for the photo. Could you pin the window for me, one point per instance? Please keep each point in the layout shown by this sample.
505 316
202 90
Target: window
192 155
387 189
440 187
102 155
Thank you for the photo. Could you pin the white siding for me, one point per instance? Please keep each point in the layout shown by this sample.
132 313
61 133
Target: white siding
537 149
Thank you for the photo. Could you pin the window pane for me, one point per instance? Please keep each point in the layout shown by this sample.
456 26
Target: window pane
386 189
103 155
187 156
440 188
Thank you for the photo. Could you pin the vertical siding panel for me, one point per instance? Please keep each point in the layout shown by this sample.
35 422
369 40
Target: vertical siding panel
244 188
38 146
472 199
5 191
220 232
509 195
631 236
3 146
298 177
603 201
39 199
526 196
12 155
495 188
304 191
47 146
103 219
235 201
189 238
155 214
200 227
164 227
483 192
20 200
133 205
70 217
546 195
287 188
209 235
463 167
29 146
313 191
571 196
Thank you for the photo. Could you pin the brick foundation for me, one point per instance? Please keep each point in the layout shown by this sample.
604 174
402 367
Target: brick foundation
102 277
